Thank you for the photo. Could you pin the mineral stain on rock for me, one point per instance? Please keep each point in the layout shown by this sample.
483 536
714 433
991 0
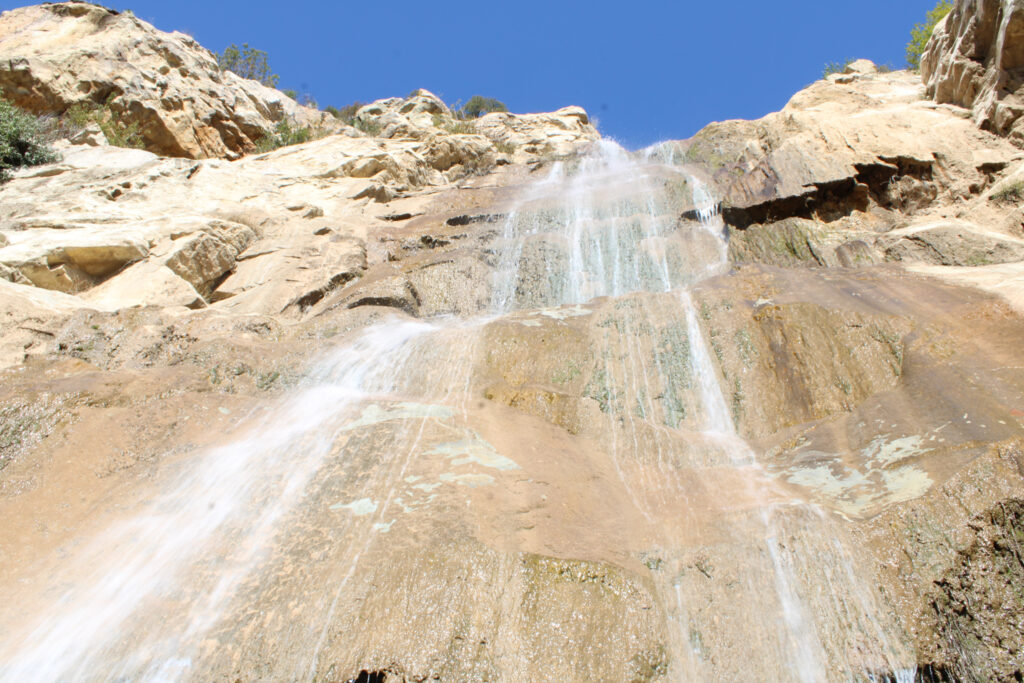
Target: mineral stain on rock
497 399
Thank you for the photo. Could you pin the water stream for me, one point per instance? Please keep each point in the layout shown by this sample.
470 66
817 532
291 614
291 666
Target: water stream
140 600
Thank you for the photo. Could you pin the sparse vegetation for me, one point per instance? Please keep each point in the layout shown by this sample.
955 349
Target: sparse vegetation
21 143
346 114
371 128
456 127
920 34
117 132
247 62
835 68
1013 192
284 134
479 105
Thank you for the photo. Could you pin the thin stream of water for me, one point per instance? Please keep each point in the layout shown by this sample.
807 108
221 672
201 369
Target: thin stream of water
603 226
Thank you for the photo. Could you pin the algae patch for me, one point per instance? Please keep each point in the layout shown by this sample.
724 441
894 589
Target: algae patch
359 508
470 451
375 414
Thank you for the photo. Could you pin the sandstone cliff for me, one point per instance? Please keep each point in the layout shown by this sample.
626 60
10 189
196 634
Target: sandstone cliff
496 399
57 55
975 59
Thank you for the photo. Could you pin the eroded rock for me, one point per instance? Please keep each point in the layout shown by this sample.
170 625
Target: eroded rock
57 55
974 60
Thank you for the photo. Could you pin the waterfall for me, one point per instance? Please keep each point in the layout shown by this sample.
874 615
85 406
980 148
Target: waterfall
600 238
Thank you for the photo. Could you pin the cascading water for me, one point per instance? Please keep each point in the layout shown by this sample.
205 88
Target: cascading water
600 237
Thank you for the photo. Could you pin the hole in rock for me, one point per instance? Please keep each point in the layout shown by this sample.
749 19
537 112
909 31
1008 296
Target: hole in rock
369 677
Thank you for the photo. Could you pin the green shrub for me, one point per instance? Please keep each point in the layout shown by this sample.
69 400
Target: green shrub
118 133
247 62
371 128
456 127
505 147
285 134
293 94
20 141
346 114
835 68
920 34
479 105
1014 192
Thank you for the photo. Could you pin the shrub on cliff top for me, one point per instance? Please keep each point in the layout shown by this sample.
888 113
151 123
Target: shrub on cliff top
922 32
247 62
346 114
479 105
835 68
20 141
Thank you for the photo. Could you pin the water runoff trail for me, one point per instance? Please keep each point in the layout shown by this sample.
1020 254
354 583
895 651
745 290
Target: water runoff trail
140 599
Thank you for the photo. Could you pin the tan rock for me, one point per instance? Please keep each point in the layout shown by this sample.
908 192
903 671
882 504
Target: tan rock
72 260
861 66
972 60
871 146
564 132
28 318
148 283
56 55
951 243
200 259
422 116
272 278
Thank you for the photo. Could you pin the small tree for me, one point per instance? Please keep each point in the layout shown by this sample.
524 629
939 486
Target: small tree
247 62
346 114
479 105
20 140
922 32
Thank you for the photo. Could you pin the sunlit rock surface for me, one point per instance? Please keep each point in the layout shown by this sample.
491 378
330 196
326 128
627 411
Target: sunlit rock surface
496 400
58 55
974 60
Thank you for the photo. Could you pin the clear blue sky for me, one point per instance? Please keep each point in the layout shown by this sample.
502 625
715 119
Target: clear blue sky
647 70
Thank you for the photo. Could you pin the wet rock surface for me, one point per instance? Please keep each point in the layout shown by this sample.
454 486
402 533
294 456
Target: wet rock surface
515 404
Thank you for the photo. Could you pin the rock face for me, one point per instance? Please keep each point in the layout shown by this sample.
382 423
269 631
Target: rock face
54 56
802 161
435 399
975 59
861 168
522 138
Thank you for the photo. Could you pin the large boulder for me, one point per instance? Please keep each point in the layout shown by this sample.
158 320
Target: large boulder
975 59
57 55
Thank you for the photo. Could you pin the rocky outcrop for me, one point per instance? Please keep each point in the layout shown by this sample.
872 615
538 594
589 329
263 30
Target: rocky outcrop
57 55
951 244
862 142
859 168
611 447
975 59
283 232
520 138
978 602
